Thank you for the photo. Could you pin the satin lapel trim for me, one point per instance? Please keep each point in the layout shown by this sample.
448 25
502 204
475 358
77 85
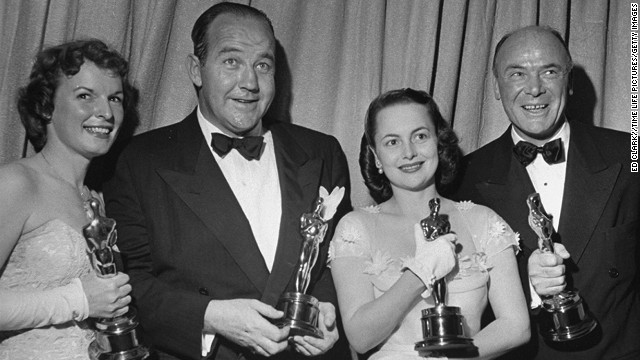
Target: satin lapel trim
299 181
588 185
208 194
508 189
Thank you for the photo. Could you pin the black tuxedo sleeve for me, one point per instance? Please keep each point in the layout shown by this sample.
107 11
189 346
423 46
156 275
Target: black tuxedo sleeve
337 172
162 308
323 288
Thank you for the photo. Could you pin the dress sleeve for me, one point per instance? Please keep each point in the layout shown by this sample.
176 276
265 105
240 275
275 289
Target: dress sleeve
350 239
499 236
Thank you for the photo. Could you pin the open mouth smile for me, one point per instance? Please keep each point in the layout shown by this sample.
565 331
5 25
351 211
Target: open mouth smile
245 101
535 107
98 130
411 167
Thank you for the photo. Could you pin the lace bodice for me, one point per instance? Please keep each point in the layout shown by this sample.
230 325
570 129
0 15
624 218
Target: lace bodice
383 242
50 256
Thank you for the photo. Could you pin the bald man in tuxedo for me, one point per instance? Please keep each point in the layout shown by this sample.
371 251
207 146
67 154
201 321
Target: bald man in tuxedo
584 179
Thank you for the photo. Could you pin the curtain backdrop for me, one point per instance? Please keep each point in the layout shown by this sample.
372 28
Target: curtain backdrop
334 57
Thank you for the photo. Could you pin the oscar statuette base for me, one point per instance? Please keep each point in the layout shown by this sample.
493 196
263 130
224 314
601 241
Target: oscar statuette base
443 332
564 318
116 339
300 313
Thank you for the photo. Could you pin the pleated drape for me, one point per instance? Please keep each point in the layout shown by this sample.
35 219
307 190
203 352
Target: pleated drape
334 57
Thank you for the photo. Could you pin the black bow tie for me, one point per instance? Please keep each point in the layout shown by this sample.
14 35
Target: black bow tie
552 152
249 146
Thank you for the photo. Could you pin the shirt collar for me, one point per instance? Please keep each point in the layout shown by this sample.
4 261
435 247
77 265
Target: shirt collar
208 128
562 133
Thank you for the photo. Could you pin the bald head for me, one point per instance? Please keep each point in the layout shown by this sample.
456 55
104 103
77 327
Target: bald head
532 69
543 33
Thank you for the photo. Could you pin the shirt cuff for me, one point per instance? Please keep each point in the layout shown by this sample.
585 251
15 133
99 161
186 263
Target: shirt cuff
207 341
536 301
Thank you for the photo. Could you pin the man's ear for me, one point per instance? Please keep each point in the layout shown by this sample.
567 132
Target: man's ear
496 88
193 69
570 82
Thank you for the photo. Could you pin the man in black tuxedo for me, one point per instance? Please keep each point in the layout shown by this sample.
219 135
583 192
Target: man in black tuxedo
208 209
584 180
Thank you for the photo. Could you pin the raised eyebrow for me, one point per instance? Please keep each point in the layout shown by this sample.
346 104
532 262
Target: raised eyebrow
119 92
393 136
84 88
228 49
231 49
545 67
420 129
268 56
552 65
513 67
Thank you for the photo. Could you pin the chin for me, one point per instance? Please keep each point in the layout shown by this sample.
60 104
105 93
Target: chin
95 152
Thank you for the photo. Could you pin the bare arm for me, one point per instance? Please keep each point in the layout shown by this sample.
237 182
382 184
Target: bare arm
16 198
368 321
29 308
511 326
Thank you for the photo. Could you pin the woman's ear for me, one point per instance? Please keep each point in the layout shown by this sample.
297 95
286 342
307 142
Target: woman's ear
375 157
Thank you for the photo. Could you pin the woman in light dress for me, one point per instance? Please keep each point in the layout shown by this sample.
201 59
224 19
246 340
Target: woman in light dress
72 110
382 266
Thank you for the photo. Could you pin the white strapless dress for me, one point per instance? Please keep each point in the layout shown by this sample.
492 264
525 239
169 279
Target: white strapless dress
50 256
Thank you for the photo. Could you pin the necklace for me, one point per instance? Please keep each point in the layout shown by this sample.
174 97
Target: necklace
84 192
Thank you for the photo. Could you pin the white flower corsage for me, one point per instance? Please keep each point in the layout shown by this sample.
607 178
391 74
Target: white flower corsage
330 202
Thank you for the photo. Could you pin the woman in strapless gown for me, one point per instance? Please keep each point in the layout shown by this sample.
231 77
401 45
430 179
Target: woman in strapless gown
383 267
72 109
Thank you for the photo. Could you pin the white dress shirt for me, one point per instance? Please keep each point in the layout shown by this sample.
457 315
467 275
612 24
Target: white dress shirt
548 180
256 186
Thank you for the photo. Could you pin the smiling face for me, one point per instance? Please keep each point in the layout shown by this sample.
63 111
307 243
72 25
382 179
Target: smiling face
532 81
236 82
406 144
88 111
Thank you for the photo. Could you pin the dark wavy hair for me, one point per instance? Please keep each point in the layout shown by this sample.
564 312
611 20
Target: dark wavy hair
199 31
448 151
35 101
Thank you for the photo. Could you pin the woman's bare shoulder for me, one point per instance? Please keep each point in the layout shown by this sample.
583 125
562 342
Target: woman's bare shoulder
19 180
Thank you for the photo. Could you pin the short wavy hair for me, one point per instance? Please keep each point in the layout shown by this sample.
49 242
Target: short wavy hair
449 153
36 100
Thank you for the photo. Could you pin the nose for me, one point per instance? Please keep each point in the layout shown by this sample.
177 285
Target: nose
103 109
534 85
409 150
249 80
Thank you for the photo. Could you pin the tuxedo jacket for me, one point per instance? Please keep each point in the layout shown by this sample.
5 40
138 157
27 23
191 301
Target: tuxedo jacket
598 225
185 239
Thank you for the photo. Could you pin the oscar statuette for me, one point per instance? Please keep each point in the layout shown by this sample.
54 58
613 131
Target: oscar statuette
116 337
442 325
563 316
301 310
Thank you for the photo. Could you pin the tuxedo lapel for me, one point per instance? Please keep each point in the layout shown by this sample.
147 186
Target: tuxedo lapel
588 185
198 181
299 181
507 189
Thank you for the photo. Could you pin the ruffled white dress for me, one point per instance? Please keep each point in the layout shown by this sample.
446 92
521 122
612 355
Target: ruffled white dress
369 235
